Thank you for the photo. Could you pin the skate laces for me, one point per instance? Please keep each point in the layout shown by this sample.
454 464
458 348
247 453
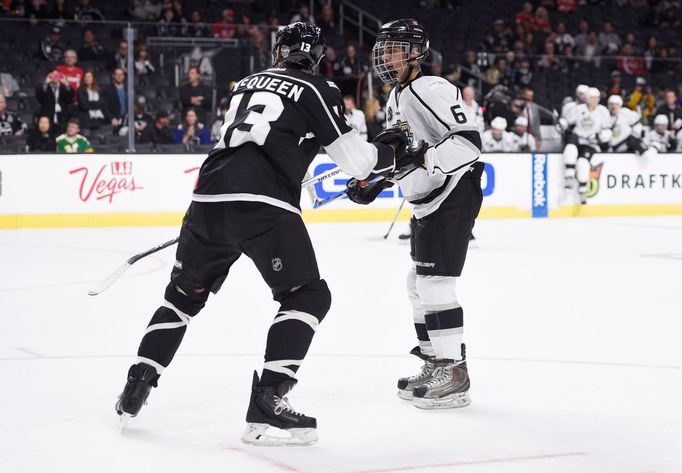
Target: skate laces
427 368
441 375
282 404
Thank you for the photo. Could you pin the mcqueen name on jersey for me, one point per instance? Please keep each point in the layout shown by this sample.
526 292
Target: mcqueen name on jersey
271 84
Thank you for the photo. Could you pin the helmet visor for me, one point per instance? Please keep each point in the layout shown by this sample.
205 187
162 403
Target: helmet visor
389 59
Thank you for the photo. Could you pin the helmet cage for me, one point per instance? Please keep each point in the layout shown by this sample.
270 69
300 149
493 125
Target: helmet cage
399 52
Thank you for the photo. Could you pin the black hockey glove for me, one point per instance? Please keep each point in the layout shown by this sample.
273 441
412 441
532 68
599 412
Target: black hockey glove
363 193
413 157
393 137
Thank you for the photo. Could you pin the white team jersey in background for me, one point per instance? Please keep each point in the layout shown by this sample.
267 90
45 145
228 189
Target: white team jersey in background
660 141
519 143
430 108
475 110
588 123
626 123
503 145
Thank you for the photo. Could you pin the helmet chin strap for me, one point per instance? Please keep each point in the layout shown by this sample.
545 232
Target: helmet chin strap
412 65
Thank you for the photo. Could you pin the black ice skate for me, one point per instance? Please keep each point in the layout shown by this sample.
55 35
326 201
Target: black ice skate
269 408
406 385
141 378
447 388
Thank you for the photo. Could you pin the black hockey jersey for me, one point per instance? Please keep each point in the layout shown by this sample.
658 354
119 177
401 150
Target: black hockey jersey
276 122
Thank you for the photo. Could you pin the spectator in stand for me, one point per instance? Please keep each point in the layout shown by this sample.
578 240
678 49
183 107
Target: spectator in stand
329 65
86 12
541 22
143 65
470 70
642 100
351 65
563 38
566 6
91 50
8 84
583 35
354 117
651 52
525 16
42 137
91 102
10 124
52 47
120 57
670 18
191 130
631 40
550 61
591 51
654 18
159 133
627 63
61 11
54 96
116 99
532 112
197 28
145 10
303 15
663 64
225 27
523 75
374 117
671 109
141 119
35 10
72 141
220 119
195 94
616 85
609 40
326 21
246 29
178 13
498 73
73 73
498 41
168 26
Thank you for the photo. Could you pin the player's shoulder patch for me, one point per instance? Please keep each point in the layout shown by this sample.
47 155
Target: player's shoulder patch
331 83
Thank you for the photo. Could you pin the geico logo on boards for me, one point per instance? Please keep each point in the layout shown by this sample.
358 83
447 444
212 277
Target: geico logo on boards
644 181
539 181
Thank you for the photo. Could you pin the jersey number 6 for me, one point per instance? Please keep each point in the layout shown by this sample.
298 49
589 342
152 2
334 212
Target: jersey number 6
249 117
459 115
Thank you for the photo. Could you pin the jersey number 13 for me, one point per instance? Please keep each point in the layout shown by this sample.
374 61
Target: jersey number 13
249 118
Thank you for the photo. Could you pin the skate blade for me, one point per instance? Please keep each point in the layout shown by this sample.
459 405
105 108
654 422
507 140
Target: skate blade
124 419
447 402
264 435
405 394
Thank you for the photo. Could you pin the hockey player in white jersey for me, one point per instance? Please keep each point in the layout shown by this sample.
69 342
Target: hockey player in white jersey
659 136
626 128
570 106
497 139
521 140
591 127
445 191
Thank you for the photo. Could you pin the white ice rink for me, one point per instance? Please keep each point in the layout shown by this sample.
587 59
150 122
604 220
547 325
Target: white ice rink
573 327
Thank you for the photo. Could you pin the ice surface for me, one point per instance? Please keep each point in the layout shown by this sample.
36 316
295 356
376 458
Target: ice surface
574 341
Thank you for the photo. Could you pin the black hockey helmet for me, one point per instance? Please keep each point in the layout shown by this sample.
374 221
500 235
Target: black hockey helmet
399 35
299 44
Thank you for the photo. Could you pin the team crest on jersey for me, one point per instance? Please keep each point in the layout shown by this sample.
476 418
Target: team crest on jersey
277 264
587 123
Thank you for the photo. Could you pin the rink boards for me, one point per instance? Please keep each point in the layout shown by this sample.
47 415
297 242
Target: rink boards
155 189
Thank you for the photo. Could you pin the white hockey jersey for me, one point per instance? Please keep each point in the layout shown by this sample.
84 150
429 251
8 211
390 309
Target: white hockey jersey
588 123
568 109
522 143
503 145
430 108
661 141
678 138
626 123
475 110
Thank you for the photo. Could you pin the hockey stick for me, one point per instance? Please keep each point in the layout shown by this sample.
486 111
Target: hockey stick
311 181
395 218
111 279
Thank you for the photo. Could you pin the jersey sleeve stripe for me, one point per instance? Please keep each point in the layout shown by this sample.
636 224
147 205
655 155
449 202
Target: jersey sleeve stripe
428 108
317 92
457 168
467 137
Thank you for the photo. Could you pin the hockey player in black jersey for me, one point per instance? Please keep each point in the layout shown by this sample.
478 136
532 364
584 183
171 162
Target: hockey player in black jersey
247 202
445 193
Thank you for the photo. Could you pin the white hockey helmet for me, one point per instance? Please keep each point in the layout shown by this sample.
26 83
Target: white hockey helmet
592 92
661 120
521 121
499 123
581 89
615 99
